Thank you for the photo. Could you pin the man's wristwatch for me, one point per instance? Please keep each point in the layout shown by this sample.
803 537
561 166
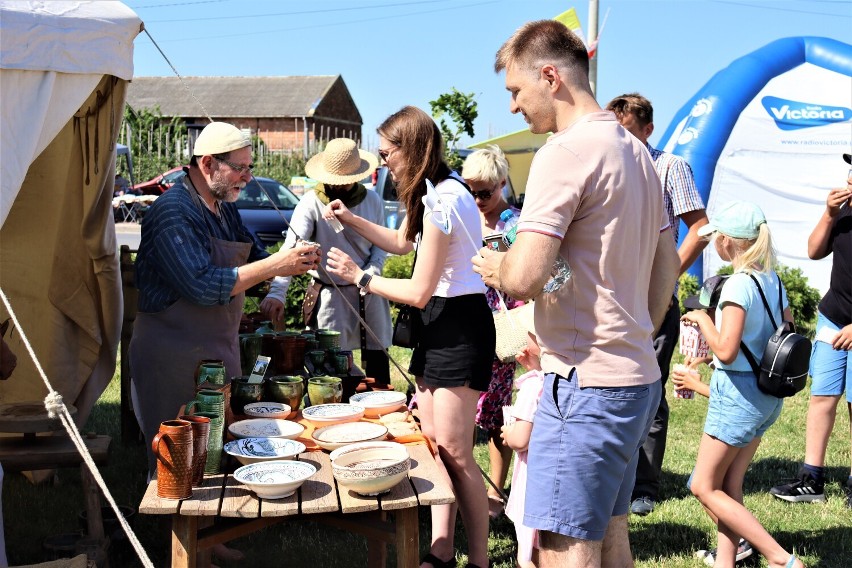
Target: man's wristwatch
364 282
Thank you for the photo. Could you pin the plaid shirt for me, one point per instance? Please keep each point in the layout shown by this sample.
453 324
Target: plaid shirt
679 192
174 254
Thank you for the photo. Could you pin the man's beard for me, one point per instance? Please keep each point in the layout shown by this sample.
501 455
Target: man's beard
221 189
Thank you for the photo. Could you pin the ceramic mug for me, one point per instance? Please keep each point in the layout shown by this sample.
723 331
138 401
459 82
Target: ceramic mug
317 357
207 401
214 442
325 390
249 350
200 439
210 371
172 446
287 389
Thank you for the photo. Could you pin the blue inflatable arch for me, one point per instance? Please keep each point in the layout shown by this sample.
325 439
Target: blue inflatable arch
730 91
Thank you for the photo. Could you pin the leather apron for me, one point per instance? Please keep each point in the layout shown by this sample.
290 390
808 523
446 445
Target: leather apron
167 346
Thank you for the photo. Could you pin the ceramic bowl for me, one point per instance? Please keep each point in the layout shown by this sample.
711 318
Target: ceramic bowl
371 470
335 413
265 428
267 410
339 435
253 450
379 403
274 479
360 446
286 389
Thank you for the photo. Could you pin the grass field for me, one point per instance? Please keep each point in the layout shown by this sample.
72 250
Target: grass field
821 534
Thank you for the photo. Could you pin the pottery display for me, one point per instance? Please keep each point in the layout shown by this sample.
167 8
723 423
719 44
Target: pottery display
265 428
253 450
267 410
287 389
274 479
327 414
339 435
325 390
244 392
379 403
371 470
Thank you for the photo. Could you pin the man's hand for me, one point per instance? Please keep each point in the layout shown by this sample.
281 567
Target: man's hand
296 260
272 308
487 264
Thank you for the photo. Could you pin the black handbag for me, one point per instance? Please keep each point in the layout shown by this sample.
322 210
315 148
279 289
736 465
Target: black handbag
783 369
406 329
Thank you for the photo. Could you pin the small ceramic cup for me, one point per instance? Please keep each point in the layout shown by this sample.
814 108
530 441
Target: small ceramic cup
210 371
287 389
325 390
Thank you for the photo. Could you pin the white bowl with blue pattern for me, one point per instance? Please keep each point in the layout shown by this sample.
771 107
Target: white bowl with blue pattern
274 479
332 413
253 450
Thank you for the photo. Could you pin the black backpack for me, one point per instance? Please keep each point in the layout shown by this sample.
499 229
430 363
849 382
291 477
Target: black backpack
783 370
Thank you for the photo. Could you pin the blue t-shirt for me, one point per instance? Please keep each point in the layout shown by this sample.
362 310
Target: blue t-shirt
741 290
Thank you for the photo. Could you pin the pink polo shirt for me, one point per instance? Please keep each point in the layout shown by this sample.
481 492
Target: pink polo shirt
593 186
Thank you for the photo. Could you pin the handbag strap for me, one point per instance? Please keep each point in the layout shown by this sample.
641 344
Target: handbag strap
752 361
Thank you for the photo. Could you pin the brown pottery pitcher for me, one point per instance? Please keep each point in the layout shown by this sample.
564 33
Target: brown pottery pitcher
173 448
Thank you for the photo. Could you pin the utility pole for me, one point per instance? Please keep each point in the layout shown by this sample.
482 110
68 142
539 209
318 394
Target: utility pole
593 35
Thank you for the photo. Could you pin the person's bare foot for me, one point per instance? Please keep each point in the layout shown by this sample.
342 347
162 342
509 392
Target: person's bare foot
222 552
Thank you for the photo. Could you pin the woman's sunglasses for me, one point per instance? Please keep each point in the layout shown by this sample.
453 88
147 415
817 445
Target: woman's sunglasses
483 195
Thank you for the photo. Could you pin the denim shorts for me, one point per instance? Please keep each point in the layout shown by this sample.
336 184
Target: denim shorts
583 454
831 369
739 411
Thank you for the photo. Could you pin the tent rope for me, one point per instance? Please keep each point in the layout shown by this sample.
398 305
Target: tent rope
56 408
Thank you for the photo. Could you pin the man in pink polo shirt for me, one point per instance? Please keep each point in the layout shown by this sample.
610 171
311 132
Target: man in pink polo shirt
594 199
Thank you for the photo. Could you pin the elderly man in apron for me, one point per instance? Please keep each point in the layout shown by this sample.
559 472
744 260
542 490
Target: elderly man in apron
195 261
339 168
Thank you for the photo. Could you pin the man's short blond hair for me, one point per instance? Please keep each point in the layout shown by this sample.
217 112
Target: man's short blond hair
487 165
544 41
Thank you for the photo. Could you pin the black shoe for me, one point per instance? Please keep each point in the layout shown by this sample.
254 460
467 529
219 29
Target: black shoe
642 506
804 489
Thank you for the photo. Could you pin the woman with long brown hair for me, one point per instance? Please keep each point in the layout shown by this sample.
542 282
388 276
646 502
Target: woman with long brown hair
452 360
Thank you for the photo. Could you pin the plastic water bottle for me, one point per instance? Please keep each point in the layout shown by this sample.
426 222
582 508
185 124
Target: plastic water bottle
560 272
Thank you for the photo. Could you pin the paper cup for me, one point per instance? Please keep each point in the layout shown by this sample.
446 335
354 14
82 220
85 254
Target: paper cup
685 393
508 419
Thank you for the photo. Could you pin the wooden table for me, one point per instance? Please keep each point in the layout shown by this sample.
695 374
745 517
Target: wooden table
222 509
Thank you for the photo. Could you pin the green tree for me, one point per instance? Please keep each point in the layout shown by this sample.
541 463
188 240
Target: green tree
460 109
156 143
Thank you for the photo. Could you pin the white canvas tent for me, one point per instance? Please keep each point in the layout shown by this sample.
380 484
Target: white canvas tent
64 68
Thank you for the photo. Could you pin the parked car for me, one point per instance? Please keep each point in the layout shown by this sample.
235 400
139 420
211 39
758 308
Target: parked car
257 211
160 183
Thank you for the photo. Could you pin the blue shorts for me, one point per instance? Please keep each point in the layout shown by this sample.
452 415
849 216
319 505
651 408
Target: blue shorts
583 453
831 369
739 411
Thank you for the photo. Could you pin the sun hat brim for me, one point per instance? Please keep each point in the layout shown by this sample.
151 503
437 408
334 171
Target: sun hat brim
315 169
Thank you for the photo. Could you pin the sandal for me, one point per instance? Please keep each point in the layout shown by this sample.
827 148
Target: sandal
437 562
495 506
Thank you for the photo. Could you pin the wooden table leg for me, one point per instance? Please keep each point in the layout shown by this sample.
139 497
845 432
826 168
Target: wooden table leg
204 557
184 541
407 538
377 551
92 496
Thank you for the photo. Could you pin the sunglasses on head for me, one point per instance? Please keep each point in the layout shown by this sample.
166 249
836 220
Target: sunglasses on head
482 195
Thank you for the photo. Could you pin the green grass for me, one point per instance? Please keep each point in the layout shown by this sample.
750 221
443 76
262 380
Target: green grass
820 534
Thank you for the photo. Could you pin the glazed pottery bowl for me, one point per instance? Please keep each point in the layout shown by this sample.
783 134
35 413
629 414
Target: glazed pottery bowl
274 479
379 403
287 389
253 450
244 392
267 410
265 428
325 389
371 470
336 413
339 435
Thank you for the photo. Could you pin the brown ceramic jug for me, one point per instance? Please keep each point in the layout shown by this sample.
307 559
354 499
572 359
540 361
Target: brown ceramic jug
200 438
173 448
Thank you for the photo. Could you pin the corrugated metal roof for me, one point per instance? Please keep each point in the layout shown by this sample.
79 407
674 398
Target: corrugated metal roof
249 97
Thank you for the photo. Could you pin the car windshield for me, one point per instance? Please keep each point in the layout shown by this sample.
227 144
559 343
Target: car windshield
253 196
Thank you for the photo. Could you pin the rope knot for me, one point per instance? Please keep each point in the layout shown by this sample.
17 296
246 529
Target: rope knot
53 403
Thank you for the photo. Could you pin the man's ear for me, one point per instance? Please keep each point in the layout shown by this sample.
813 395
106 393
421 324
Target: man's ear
205 164
550 74
648 129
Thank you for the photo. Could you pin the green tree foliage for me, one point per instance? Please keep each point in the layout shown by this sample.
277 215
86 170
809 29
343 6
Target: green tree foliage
156 143
460 109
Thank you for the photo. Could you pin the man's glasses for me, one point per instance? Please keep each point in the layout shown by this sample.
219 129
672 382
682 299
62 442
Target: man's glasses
237 168
483 195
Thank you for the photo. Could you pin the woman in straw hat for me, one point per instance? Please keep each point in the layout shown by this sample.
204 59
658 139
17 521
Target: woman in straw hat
339 168
452 359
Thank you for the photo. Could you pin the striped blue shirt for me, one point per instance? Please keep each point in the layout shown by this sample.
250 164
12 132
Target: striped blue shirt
174 259
680 195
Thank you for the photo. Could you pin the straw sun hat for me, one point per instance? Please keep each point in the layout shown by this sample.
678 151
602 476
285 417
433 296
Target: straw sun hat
342 163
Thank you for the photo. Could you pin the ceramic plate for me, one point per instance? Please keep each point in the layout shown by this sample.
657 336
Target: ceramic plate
265 428
267 410
327 414
338 435
274 479
251 450
378 398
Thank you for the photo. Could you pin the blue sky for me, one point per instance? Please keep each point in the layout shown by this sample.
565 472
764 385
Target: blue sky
391 53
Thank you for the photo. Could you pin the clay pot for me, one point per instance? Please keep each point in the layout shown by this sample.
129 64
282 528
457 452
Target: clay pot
325 390
200 439
244 392
172 446
287 389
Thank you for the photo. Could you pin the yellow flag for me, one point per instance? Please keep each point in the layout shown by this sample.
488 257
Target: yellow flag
570 19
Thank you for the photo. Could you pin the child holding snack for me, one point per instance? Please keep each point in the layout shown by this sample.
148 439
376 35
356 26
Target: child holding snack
738 412
516 435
